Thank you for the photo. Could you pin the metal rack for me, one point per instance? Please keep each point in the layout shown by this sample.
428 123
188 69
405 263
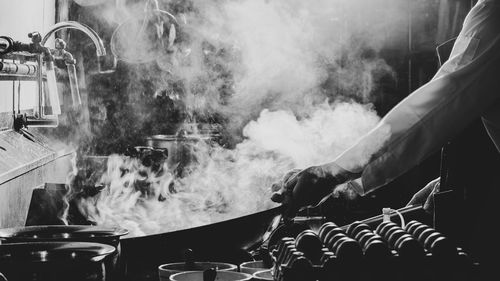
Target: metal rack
26 66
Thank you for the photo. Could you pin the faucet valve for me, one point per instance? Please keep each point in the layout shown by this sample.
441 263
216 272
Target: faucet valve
35 37
62 55
60 52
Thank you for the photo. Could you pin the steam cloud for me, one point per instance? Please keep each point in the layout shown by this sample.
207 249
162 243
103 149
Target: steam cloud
224 183
301 84
287 54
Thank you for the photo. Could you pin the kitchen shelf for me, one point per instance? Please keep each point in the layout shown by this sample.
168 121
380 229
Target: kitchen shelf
14 77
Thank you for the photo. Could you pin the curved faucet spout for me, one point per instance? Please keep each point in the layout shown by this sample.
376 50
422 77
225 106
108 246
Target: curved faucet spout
99 45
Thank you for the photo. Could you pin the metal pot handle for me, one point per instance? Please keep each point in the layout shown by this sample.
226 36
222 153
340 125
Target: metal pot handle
189 259
210 274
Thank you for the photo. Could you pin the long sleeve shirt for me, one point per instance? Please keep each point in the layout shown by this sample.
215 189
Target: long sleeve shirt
466 87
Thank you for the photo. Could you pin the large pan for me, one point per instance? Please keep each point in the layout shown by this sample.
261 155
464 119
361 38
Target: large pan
226 241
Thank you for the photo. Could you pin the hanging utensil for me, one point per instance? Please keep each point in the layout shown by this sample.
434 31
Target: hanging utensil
144 39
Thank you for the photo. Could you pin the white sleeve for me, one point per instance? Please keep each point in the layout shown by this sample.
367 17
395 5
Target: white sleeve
464 87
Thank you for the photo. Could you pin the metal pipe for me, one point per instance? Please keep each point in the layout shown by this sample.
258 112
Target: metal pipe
40 86
18 68
61 54
13 99
410 47
100 49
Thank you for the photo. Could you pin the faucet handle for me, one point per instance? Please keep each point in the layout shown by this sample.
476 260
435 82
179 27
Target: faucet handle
6 44
35 36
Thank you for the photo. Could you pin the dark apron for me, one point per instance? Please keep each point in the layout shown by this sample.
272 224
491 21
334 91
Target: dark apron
467 205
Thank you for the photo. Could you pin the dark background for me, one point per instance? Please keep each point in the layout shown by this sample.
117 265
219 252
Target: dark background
117 121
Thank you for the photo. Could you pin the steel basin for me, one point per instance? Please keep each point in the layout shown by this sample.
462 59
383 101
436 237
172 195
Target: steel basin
54 261
71 233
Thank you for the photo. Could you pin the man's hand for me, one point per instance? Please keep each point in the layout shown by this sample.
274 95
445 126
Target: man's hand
303 188
425 196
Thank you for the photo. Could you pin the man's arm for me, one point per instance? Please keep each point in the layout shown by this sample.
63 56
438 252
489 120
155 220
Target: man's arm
464 87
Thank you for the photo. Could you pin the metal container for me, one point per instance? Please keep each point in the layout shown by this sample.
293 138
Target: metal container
72 233
180 147
54 261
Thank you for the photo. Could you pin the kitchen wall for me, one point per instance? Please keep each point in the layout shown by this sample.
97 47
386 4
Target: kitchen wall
19 18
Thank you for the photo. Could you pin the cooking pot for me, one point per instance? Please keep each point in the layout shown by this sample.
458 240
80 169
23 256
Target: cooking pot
221 276
166 270
54 261
179 146
89 2
71 233
82 233
229 241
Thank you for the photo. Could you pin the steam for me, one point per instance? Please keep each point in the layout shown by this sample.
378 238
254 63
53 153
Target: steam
223 183
235 58
289 54
317 139
294 81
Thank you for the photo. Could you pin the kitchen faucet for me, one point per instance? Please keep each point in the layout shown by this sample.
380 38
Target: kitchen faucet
99 45
47 56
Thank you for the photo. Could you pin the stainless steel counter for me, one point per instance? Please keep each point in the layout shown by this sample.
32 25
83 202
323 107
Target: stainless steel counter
26 163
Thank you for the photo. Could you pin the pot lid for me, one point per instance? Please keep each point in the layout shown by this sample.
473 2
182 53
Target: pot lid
60 232
182 137
55 251
164 137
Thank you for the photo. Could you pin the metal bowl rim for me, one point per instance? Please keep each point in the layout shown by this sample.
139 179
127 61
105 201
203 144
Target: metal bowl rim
21 233
235 273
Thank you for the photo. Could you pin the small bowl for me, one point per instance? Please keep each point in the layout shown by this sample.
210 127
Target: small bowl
168 269
251 267
221 276
263 275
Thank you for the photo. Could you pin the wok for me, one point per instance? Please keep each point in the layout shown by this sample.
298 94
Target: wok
226 241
